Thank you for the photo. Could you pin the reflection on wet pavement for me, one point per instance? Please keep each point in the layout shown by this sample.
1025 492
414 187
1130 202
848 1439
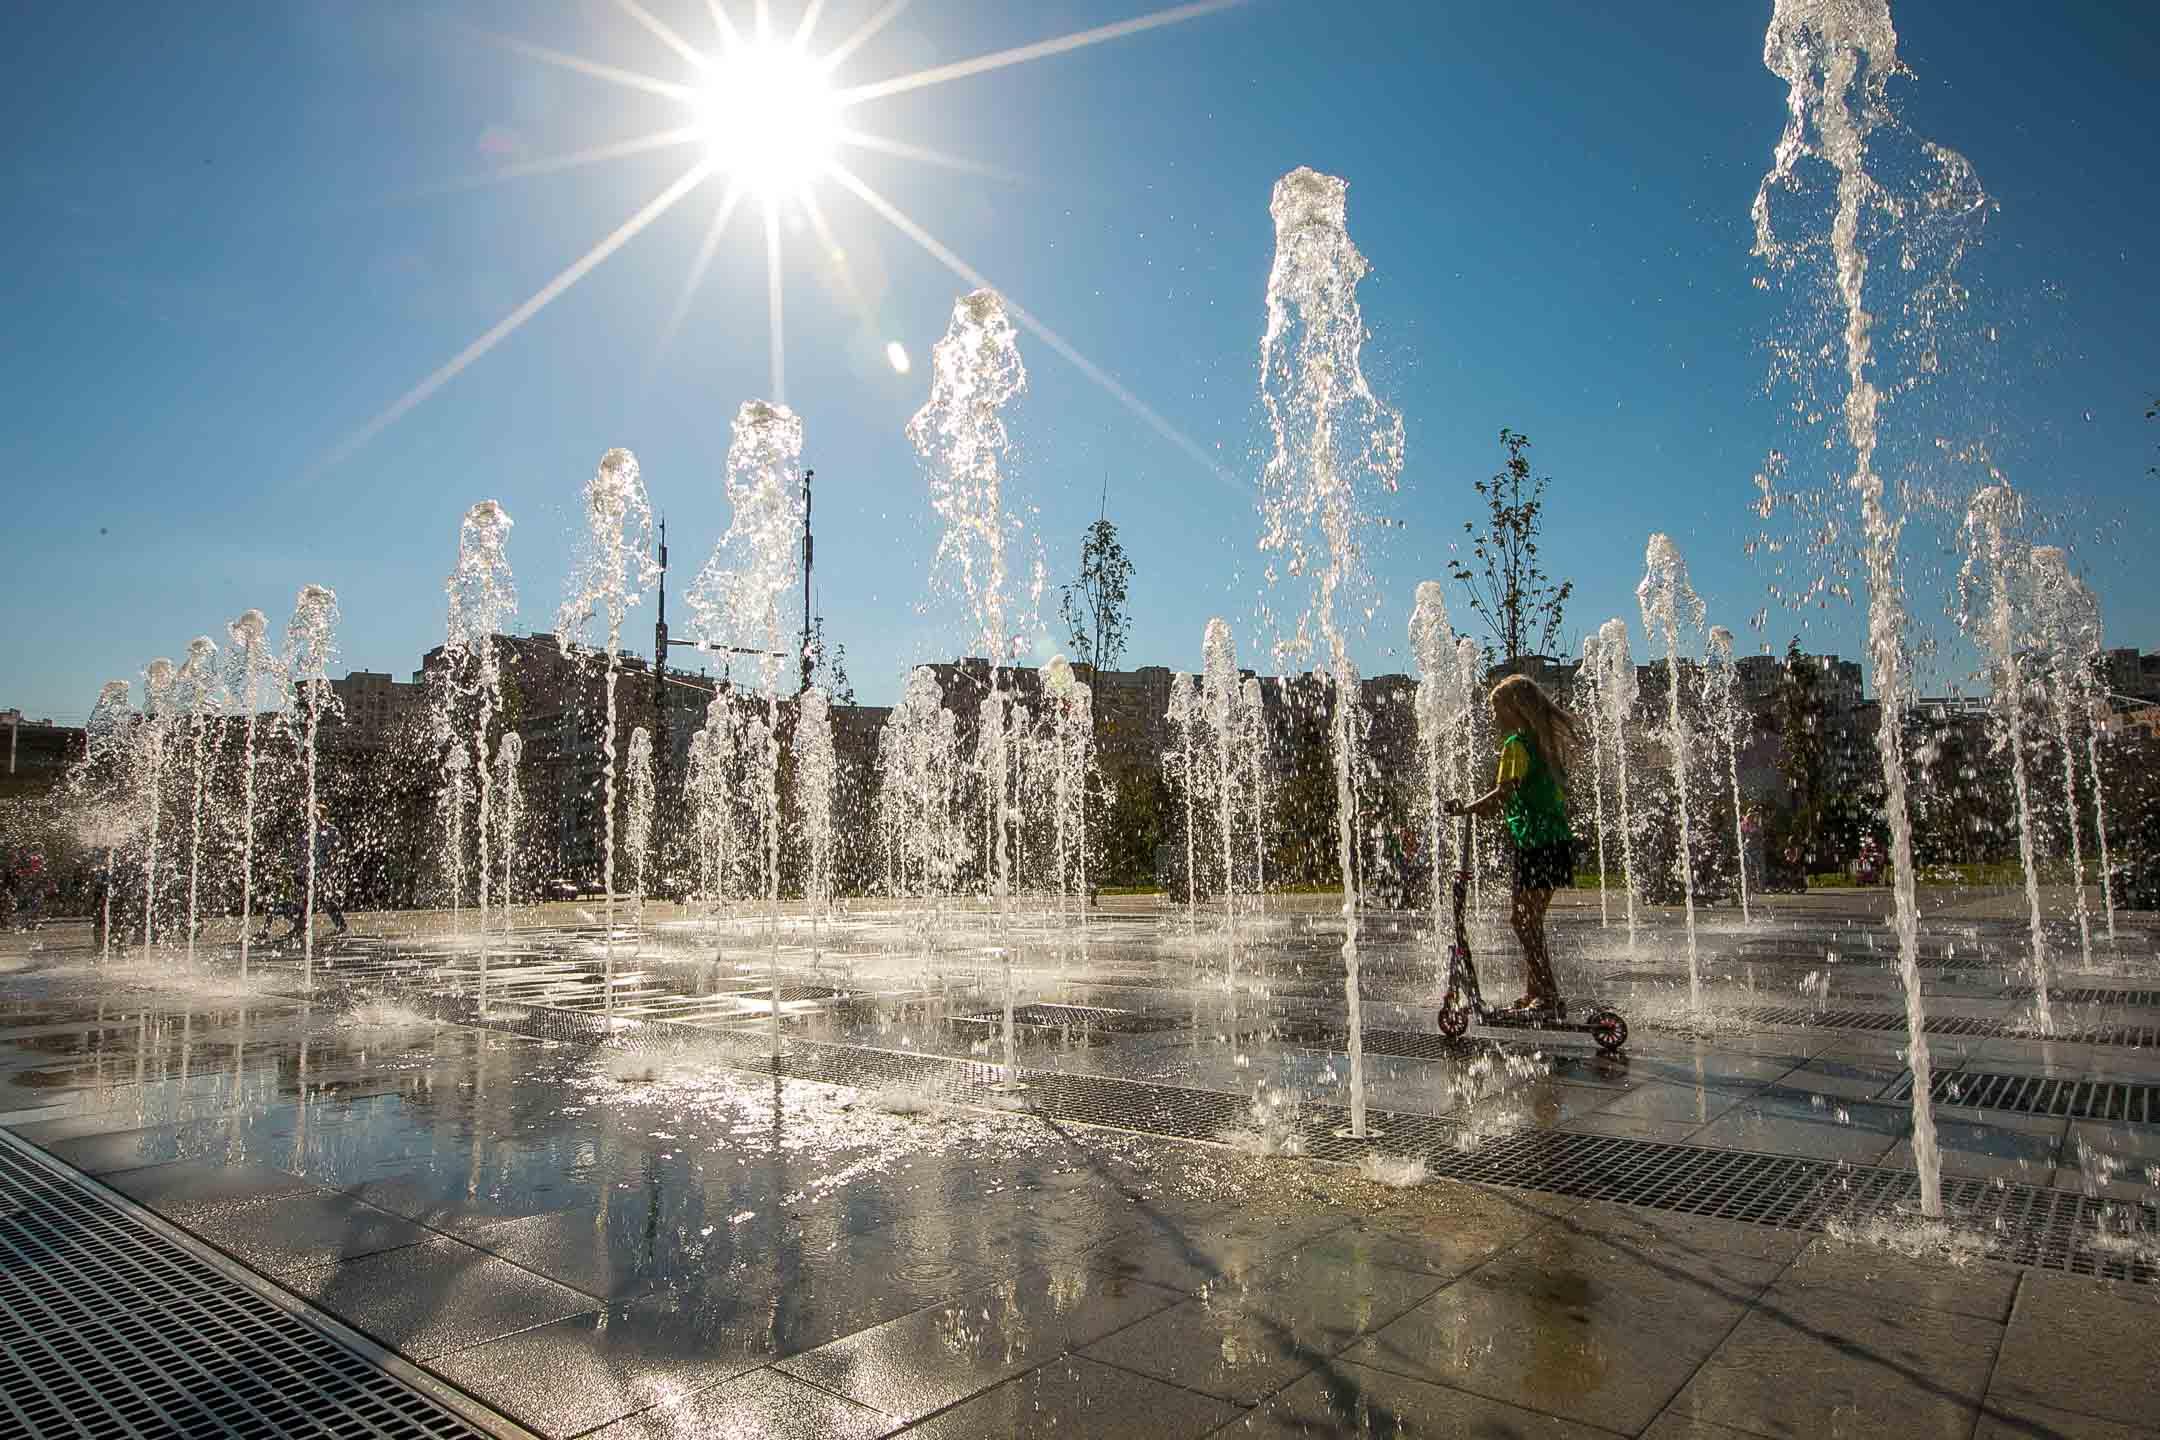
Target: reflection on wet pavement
647 1234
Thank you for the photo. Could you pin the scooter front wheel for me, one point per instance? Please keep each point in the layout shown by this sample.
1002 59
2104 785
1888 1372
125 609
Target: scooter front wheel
1454 1021
1609 1030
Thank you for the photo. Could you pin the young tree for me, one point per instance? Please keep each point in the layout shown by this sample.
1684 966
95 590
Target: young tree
1508 587
1094 604
1802 760
828 666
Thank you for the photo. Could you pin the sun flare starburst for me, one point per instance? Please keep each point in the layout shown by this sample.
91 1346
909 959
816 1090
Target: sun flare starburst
767 119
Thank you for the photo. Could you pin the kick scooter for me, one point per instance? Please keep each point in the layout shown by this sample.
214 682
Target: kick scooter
1465 1001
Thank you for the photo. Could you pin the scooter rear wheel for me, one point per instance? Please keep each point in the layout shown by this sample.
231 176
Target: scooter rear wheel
1609 1030
1454 1023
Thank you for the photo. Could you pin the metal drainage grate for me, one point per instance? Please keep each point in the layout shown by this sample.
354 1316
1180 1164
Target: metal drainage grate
2040 1095
2139 1036
1078 1017
2106 997
111 1329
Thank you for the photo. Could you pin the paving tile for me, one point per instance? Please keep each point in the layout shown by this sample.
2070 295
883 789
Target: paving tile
1442 1229
433 1298
1990 1151
1075 1398
1571 1326
1672 1426
300 1232
569 1375
763 1405
2078 1347
2005 1419
1661 1234
578 1248
1790 1126
1193 1253
1810 1363
1242 1344
187 1187
1979 1289
96 1151
1347 1399
933 1358
1696 1105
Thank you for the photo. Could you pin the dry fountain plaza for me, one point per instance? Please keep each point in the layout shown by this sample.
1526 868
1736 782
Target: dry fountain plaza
558 1185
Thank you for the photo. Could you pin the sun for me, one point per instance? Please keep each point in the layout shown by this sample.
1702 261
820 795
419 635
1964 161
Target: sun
769 117
766 120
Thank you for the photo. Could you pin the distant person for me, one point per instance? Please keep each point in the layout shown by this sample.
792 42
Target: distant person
328 886
1529 791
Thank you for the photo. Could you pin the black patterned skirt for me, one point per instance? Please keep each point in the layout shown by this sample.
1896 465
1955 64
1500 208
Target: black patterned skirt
1545 867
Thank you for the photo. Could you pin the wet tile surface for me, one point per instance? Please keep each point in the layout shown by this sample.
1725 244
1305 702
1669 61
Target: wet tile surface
640 1236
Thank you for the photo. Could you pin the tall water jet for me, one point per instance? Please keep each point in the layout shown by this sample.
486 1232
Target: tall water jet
638 813
1590 683
1471 742
1618 689
310 646
1721 702
2067 625
108 739
737 598
200 684
1837 57
457 772
1219 708
1995 595
1254 709
715 755
1332 437
1670 603
150 767
961 436
482 598
1438 706
253 665
613 567
816 773
1182 763
2070 625
1072 753
509 756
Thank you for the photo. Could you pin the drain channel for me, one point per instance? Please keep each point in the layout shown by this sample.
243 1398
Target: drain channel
2040 1095
2136 1036
111 1329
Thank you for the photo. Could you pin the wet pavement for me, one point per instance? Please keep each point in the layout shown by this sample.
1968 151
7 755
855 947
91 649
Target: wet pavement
596 1207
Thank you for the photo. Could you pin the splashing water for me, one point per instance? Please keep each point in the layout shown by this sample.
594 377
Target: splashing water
613 567
1439 705
1218 710
816 771
1472 726
201 691
509 756
2067 629
1721 702
95 780
150 768
1182 767
638 816
1669 604
482 598
1072 740
737 599
310 646
960 434
1590 680
1838 58
1254 710
1332 439
253 666
1995 594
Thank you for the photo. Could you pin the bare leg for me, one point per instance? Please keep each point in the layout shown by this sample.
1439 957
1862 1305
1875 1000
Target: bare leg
1528 918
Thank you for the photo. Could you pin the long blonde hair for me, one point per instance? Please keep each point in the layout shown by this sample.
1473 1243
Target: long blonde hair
1552 727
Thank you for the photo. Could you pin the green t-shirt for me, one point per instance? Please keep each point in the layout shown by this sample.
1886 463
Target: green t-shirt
1537 811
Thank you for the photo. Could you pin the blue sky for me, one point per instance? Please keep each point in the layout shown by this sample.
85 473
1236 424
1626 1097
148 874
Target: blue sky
229 246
